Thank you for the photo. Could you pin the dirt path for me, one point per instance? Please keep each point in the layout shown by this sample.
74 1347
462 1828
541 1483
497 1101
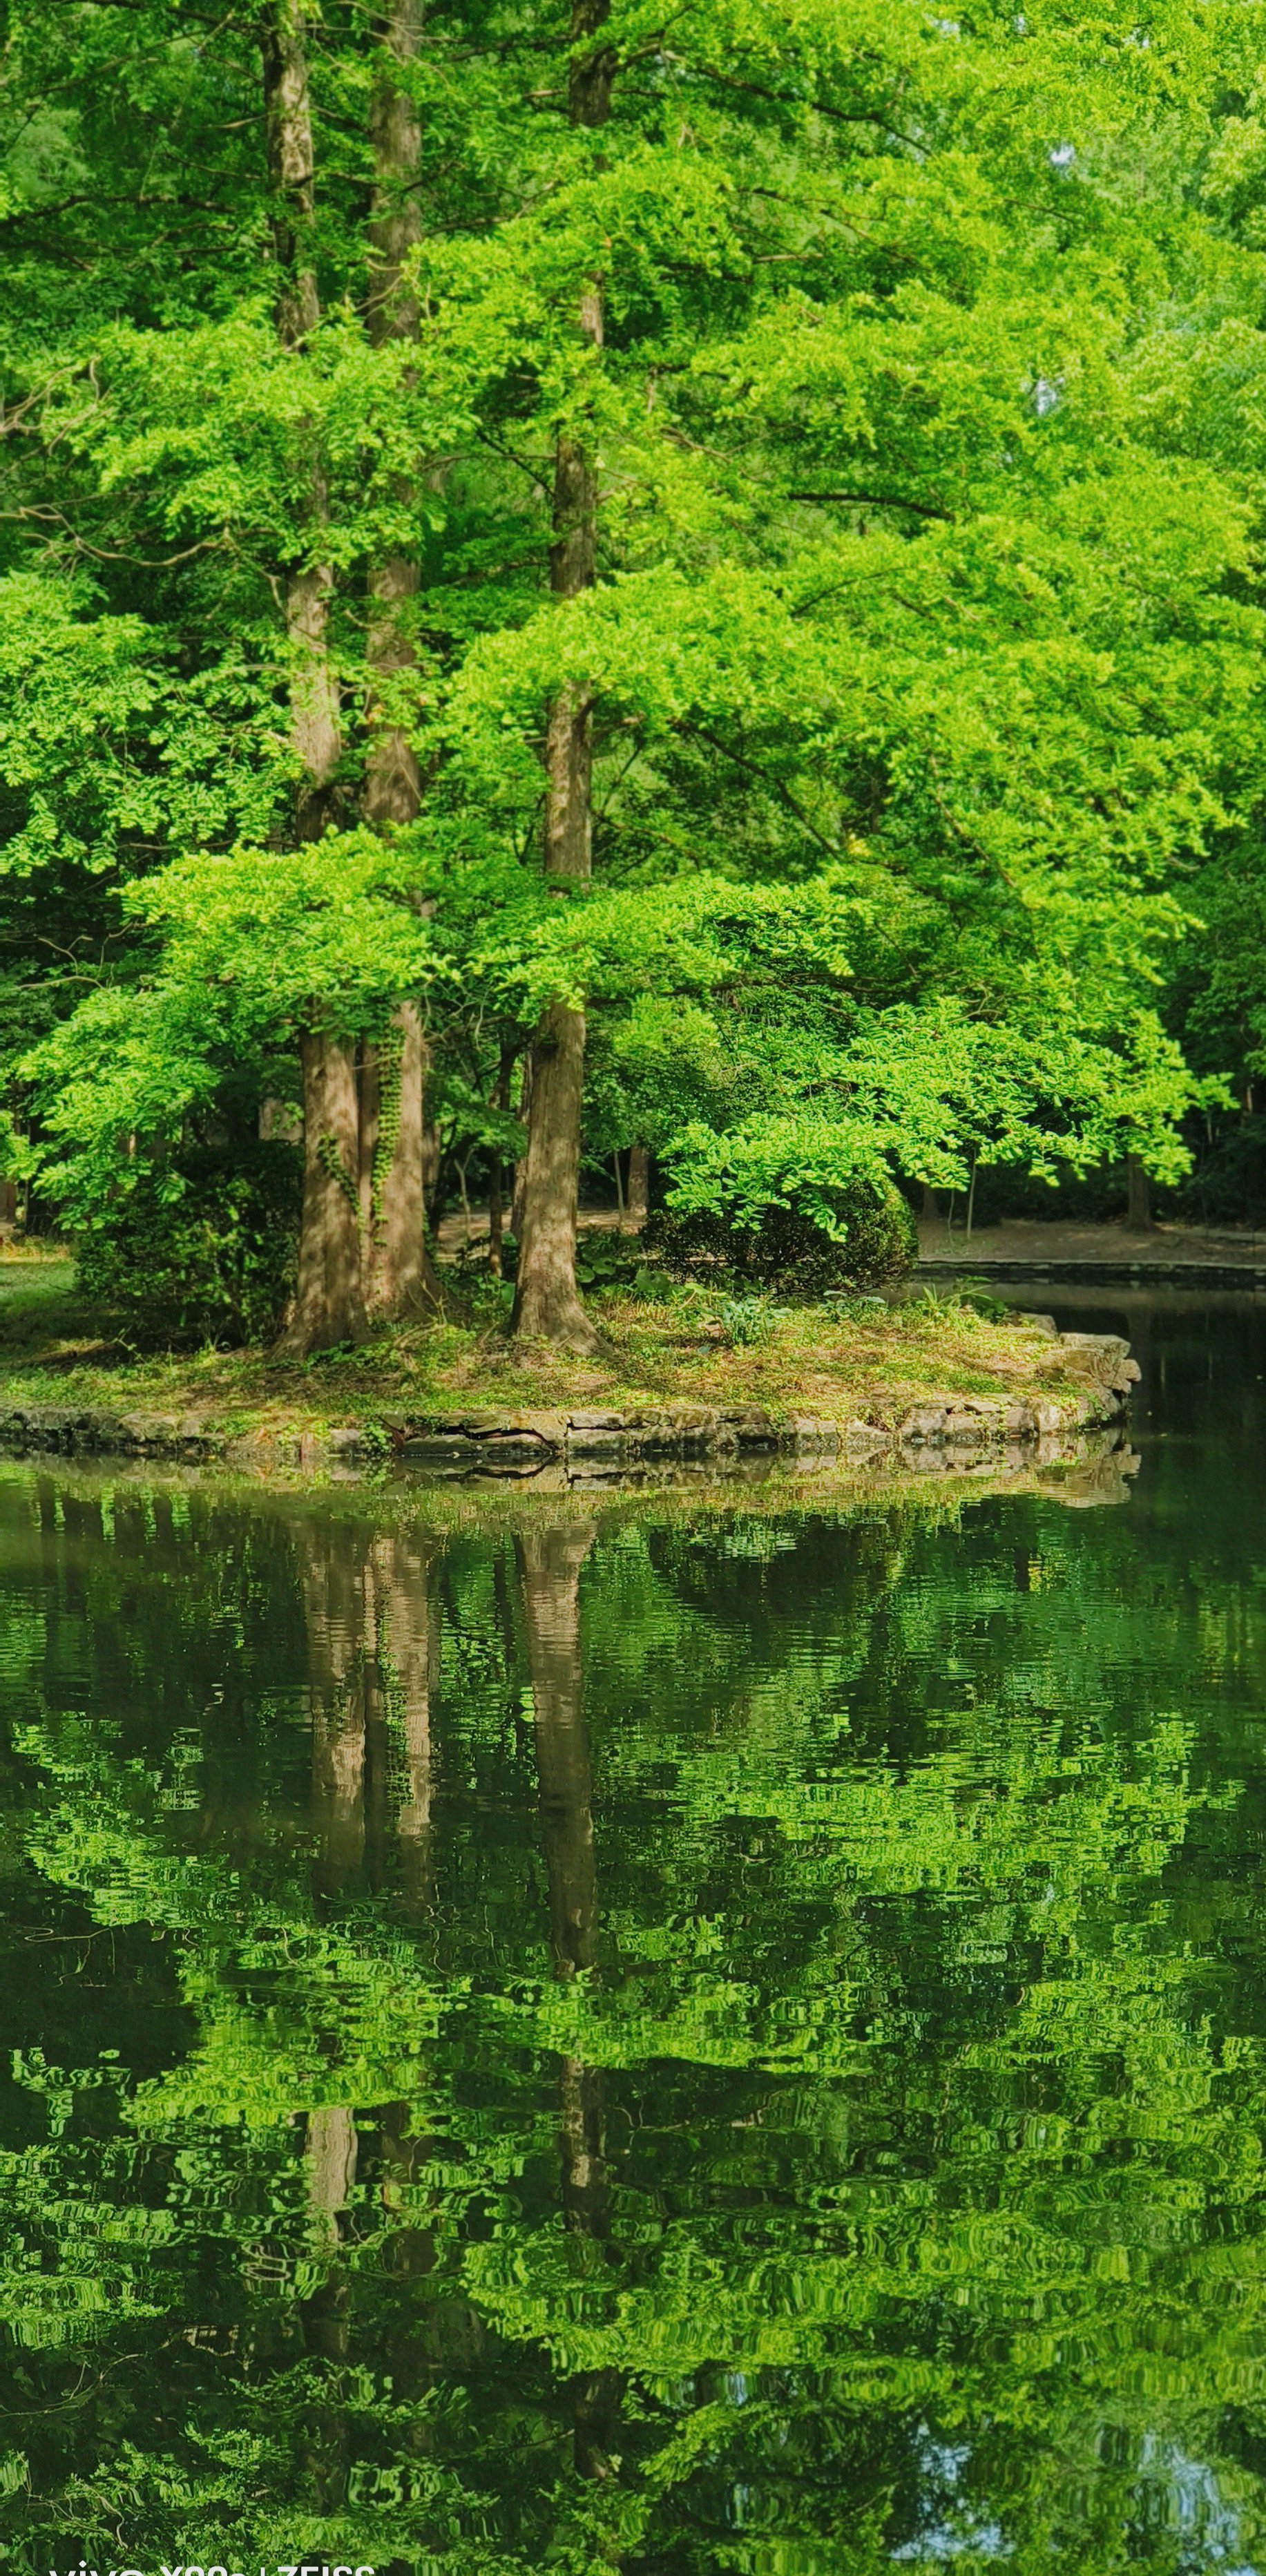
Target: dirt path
1022 1240
1025 1239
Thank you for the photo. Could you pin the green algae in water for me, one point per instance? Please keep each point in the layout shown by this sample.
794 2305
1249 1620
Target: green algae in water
640 2037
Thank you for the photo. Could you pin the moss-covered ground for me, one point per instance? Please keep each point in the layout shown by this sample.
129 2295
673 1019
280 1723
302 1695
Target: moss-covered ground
862 1359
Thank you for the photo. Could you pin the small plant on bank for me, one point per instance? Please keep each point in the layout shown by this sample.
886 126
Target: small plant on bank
608 1260
970 1295
749 1321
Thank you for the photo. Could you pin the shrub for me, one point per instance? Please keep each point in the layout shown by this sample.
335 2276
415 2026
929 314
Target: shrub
607 1260
787 1250
202 1247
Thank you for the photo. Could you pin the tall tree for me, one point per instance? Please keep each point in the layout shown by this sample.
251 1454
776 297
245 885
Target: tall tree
329 1297
546 1300
362 1248
928 663
398 1274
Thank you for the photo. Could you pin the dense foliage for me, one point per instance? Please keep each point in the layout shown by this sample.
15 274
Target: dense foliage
836 426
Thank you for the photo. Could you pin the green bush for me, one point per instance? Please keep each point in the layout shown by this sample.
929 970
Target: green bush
605 1259
200 1248
787 1250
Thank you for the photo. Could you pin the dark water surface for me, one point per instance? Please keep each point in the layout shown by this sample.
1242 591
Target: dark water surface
555 2038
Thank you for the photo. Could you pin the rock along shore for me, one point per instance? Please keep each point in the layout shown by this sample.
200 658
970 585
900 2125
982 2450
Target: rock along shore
1096 1371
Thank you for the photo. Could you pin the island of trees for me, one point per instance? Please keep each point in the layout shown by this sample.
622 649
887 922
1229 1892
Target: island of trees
618 587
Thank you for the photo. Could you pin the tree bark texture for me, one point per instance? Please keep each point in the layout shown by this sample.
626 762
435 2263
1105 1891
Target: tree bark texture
496 1201
1138 1196
546 1304
315 715
397 1275
392 784
639 1190
520 1169
291 172
329 1299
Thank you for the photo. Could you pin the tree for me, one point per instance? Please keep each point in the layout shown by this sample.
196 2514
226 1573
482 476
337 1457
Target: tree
315 736
734 520
393 1073
546 1303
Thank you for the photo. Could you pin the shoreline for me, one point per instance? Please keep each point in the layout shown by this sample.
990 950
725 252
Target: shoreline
691 1378
1079 1469
595 1442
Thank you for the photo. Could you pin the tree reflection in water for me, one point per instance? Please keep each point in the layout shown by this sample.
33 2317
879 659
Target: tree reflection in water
635 2035
550 1560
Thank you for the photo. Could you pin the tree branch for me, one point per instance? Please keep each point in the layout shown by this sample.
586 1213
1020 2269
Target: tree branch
879 501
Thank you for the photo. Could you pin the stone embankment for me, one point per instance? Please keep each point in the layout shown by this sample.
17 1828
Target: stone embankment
1091 1372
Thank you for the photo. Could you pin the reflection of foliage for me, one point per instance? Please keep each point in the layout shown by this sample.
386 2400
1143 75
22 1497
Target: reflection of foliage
931 2061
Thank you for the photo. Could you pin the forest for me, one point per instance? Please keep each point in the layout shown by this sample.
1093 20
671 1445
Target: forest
621 590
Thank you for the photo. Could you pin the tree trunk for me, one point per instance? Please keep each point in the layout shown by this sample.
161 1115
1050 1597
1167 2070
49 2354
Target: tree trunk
315 735
1138 1212
496 1203
396 1265
399 1278
639 1190
496 1217
329 1301
546 1303
291 177
329 1305
520 1169
315 732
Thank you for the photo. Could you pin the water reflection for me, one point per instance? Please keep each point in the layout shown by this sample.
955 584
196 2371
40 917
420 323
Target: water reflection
614 2033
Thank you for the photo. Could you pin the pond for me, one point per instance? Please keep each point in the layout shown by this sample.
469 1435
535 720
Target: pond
553 2032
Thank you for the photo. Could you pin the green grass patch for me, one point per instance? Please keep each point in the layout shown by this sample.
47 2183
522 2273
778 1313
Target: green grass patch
842 1359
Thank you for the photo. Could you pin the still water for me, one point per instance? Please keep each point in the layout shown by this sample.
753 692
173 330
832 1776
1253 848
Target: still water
561 2035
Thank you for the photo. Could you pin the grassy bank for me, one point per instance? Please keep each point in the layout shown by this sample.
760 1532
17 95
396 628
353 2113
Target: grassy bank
858 1361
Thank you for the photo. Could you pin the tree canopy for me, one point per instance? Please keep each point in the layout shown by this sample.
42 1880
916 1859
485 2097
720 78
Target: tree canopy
708 567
